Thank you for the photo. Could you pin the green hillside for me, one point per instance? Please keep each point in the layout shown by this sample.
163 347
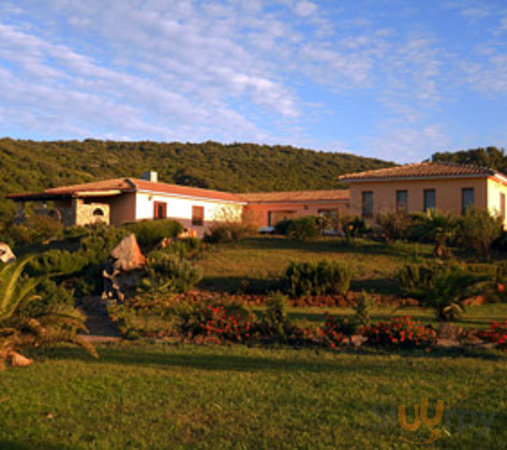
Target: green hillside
31 166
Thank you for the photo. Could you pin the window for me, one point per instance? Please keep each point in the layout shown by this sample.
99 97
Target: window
367 204
402 200
160 210
98 212
198 215
467 198
502 206
430 201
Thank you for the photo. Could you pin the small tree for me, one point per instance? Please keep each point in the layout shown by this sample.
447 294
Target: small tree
477 229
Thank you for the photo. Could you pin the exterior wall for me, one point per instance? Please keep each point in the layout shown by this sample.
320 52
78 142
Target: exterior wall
447 192
123 208
495 189
84 212
180 209
259 212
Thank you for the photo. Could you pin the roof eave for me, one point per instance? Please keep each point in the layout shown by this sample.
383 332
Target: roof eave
411 178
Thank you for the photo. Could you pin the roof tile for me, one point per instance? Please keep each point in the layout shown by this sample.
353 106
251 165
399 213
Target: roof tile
420 170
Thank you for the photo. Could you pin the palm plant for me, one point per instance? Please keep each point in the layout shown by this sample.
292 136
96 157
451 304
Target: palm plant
20 327
439 228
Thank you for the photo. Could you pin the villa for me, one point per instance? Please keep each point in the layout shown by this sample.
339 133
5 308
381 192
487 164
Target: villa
414 188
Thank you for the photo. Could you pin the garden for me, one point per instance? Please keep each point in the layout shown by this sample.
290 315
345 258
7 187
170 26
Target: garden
291 339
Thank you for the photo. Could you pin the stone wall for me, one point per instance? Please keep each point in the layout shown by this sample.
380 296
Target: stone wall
89 213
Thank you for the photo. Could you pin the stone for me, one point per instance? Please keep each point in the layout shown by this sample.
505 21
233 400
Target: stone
18 360
128 255
6 254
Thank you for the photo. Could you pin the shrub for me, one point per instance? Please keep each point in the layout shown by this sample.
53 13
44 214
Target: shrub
51 294
439 286
228 232
35 230
394 225
282 227
168 273
352 227
436 227
318 279
336 329
150 233
497 333
183 247
216 323
23 325
478 229
362 308
275 323
399 332
305 228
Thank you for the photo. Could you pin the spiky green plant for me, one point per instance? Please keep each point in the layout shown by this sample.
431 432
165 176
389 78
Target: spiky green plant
19 327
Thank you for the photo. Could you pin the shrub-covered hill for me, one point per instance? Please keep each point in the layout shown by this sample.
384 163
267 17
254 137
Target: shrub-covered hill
30 166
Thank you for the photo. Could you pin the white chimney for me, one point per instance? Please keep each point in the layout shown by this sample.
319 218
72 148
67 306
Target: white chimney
150 176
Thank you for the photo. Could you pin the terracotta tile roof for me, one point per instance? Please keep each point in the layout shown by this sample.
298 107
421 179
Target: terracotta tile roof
130 185
121 184
301 196
186 191
420 170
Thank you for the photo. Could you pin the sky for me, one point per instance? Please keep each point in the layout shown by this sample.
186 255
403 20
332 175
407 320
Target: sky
397 80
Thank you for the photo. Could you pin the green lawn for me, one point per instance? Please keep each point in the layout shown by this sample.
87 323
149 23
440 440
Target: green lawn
256 264
161 396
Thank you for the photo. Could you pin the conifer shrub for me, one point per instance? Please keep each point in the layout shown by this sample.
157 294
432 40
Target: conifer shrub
303 278
150 233
166 272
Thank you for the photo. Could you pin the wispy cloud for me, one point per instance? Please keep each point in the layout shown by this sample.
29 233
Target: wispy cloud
272 71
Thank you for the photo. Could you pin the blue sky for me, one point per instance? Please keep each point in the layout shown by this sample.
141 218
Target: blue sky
397 80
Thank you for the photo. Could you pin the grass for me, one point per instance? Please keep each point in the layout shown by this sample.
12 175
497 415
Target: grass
160 396
256 264
474 317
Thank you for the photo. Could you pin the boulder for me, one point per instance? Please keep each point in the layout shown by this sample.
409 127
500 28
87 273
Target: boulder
6 254
128 255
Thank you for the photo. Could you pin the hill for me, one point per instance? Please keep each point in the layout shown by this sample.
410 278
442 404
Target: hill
492 157
31 166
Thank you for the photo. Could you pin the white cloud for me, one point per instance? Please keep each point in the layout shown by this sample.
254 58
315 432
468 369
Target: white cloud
305 8
476 13
407 144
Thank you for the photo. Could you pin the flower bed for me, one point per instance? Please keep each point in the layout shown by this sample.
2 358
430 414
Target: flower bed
497 333
399 332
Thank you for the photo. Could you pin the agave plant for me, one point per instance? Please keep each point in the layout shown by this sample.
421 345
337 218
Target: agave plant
19 327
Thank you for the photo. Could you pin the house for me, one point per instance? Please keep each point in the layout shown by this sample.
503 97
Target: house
124 200
269 208
419 187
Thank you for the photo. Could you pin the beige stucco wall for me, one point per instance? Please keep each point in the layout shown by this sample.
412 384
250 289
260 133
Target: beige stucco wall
447 192
495 189
180 209
258 212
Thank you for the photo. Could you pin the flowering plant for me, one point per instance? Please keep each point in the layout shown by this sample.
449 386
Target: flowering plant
216 323
399 332
497 333
332 333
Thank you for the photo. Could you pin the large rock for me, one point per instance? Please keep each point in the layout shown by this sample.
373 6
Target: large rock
6 254
128 255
